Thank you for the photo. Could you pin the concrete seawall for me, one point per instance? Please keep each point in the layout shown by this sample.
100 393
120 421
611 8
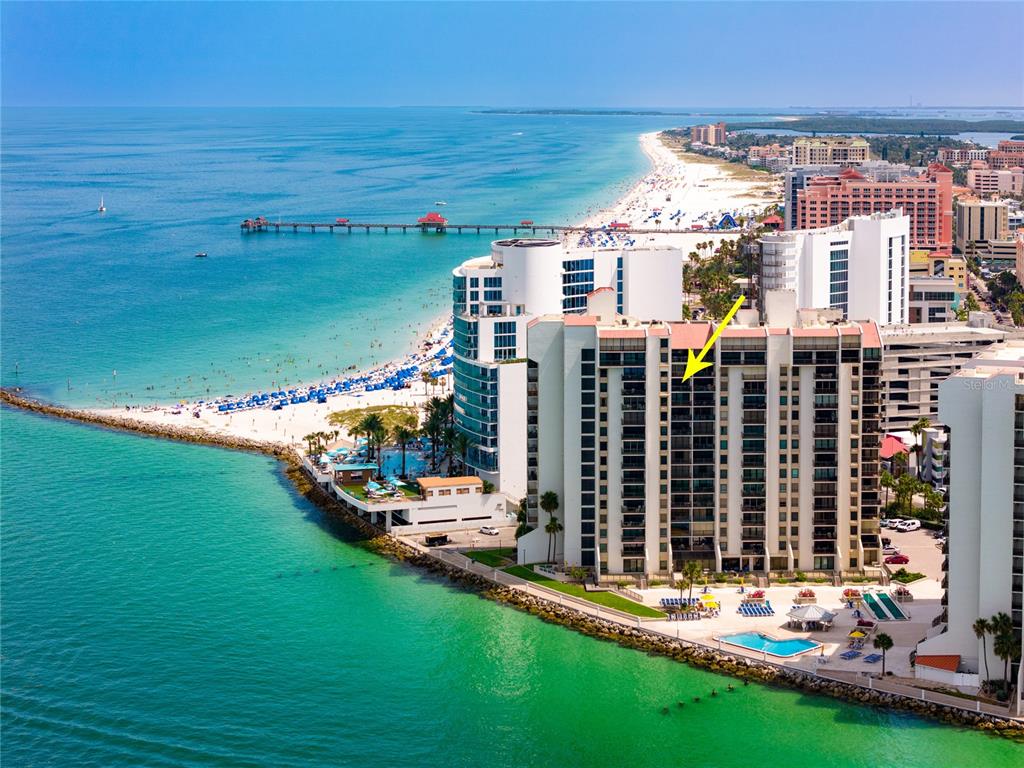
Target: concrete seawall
547 610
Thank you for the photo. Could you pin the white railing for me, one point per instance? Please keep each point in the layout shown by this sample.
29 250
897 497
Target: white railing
866 681
631 594
663 629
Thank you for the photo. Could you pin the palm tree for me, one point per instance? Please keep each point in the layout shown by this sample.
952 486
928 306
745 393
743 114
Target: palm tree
553 528
981 628
428 379
402 436
1003 645
371 426
432 428
461 444
883 643
917 429
899 464
357 431
380 434
691 572
549 503
523 519
888 482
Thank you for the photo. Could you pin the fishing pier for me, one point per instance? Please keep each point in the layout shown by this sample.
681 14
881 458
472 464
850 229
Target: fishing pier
436 223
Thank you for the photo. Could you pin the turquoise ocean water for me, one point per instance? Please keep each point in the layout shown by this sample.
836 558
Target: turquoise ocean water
177 605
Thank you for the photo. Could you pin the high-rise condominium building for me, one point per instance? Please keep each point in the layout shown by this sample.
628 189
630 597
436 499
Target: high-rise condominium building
840 150
917 358
713 134
1007 154
962 156
797 178
767 460
928 200
986 181
860 266
980 221
983 405
493 298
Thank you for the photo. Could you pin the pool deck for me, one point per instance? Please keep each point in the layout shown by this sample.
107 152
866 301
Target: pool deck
815 646
905 634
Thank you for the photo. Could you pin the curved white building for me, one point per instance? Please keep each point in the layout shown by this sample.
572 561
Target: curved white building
495 296
861 267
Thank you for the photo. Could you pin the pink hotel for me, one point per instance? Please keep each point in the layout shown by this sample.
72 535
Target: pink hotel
926 199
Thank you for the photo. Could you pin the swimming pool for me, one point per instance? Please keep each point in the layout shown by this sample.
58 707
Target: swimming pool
755 641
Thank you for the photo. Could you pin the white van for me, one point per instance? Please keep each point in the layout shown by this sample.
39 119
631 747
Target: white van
909 525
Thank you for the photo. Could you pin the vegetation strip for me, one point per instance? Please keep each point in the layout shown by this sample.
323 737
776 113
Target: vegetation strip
546 610
604 599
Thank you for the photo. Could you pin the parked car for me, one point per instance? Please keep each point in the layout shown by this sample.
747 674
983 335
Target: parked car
897 560
489 530
908 525
889 549
886 541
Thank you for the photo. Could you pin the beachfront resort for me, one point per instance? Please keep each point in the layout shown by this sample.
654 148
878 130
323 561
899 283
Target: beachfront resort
549 430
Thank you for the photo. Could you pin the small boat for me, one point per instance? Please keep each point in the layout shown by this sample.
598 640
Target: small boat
440 202
102 208
201 255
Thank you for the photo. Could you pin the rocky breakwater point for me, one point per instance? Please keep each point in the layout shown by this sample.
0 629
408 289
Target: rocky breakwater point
547 610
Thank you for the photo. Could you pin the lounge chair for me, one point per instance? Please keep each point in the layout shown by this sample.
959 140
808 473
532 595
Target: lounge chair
872 658
849 655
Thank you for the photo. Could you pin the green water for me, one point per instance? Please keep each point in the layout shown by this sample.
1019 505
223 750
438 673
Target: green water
178 605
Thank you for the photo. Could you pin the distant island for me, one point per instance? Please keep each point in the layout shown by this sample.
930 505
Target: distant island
613 112
909 125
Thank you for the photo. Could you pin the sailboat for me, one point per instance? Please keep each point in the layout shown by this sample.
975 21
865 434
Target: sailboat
102 208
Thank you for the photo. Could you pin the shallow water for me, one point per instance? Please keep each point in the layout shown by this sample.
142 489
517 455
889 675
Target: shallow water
87 294
177 605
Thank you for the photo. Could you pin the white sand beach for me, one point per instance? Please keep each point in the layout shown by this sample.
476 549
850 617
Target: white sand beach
701 191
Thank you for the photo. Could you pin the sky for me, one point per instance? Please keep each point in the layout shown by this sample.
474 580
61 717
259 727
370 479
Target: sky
533 54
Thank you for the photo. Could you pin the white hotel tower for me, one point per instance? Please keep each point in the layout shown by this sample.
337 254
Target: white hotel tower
983 405
861 266
493 298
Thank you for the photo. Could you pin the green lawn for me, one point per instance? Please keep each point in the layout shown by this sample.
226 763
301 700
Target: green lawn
495 558
606 599
906 577
356 491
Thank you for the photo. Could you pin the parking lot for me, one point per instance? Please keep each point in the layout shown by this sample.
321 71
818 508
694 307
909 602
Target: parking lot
922 549
464 540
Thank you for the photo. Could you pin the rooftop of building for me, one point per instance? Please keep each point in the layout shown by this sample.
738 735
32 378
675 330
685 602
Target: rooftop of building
937 331
844 226
831 140
948 662
998 359
449 482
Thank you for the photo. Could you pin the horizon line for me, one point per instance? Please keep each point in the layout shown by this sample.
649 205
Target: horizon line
693 109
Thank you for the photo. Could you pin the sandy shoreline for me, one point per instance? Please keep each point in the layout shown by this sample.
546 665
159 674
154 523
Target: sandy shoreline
673 194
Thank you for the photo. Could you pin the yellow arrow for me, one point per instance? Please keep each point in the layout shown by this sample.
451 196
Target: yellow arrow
696 363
